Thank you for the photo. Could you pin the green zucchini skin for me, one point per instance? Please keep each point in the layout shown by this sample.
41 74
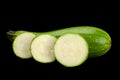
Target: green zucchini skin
99 40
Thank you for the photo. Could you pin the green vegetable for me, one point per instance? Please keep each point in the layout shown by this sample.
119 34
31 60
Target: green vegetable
99 41
42 48
71 50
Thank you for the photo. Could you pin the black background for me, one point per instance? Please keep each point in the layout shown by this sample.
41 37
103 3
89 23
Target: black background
104 66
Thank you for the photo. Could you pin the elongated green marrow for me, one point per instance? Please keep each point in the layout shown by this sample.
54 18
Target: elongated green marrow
99 40
42 48
71 50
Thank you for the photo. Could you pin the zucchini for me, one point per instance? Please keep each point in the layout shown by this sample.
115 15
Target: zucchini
99 41
21 45
42 48
71 50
